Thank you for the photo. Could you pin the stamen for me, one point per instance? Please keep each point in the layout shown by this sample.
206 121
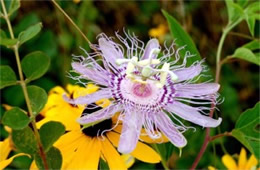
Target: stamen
147 70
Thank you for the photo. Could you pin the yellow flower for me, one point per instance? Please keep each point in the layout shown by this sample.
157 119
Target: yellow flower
82 148
243 163
5 149
159 32
76 1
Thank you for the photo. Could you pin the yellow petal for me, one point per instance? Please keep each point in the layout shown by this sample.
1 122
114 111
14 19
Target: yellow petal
78 91
5 149
128 159
142 151
33 166
211 168
229 162
76 162
68 145
242 159
87 155
7 107
145 153
118 128
8 129
5 163
103 103
252 162
93 158
54 98
70 138
144 137
112 156
67 115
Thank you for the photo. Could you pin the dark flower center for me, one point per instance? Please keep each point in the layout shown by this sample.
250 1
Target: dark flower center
97 129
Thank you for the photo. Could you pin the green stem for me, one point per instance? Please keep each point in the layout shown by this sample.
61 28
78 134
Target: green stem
242 35
71 21
220 135
23 84
164 163
229 27
220 46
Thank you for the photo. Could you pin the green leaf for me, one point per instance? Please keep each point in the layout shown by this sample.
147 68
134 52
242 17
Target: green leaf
251 24
103 165
183 39
54 159
246 54
29 33
57 129
247 130
234 11
252 14
25 141
242 3
7 76
35 65
2 34
38 98
5 40
253 45
16 118
253 8
15 4
8 42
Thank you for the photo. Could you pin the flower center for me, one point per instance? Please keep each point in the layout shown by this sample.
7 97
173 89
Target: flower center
97 129
142 90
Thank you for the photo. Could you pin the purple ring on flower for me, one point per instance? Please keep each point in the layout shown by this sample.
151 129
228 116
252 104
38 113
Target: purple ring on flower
146 90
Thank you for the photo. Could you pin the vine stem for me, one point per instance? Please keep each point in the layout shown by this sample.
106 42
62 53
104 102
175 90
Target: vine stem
23 84
207 138
218 64
71 21
220 135
164 164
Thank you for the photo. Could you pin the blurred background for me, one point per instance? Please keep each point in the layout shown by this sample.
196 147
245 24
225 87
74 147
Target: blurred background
203 20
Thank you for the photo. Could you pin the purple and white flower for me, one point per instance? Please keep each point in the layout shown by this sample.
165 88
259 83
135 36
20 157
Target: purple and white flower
146 89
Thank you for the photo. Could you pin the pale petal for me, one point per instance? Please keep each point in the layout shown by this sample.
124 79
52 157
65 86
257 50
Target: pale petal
102 114
190 90
192 114
90 98
91 73
188 73
165 125
110 51
132 125
152 44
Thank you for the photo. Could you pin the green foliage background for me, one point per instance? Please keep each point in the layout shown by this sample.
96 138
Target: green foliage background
202 20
